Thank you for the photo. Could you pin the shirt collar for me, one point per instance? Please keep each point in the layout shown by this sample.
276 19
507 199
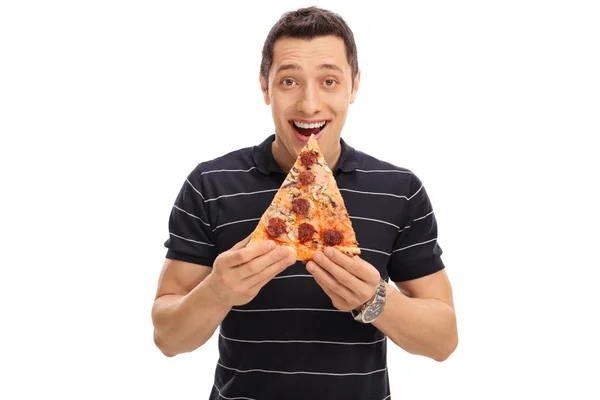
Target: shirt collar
265 162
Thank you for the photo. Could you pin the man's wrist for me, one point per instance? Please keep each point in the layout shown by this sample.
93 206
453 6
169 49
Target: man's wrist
372 309
215 293
366 303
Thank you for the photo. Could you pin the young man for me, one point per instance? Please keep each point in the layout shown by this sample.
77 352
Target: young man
289 330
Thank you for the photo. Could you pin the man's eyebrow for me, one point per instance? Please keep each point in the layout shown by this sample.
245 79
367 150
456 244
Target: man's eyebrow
297 67
332 67
285 67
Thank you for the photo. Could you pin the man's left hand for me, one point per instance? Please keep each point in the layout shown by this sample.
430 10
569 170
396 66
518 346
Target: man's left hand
348 281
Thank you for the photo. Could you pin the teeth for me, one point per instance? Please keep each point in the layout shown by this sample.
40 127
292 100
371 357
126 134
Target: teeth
309 126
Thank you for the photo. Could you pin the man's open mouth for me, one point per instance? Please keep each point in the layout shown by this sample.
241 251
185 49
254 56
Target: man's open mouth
308 128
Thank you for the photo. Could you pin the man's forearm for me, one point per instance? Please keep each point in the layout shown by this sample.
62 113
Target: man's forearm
184 323
420 326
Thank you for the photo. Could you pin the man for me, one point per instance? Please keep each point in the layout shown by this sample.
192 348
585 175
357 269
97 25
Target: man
289 330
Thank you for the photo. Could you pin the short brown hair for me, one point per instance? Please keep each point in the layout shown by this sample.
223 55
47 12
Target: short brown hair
308 23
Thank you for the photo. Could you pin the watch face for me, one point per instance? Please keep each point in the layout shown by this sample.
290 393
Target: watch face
372 312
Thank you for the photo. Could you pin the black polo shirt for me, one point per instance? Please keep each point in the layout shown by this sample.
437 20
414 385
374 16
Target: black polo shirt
290 342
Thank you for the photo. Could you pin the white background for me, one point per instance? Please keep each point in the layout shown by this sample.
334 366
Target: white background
105 107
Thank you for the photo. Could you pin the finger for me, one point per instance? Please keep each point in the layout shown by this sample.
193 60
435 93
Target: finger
338 301
328 281
364 288
342 275
260 279
354 265
244 255
257 265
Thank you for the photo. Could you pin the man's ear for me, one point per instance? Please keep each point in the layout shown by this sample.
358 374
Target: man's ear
265 91
355 87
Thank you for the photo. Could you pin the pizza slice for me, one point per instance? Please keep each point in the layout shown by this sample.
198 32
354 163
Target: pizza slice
308 212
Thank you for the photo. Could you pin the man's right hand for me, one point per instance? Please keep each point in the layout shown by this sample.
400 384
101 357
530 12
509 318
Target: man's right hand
239 273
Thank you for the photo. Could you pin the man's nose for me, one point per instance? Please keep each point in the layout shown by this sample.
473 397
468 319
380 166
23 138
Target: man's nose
309 101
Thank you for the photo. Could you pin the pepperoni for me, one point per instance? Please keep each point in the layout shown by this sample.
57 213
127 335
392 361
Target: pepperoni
305 232
300 206
332 237
306 178
308 158
276 227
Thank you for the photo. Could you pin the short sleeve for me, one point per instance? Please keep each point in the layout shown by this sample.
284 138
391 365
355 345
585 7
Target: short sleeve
416 252
190 234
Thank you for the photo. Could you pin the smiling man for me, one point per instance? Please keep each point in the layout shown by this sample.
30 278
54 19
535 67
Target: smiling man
289 330
309 85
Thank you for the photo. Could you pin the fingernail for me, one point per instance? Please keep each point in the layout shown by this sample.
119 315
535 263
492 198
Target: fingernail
329 252
317 256
271 245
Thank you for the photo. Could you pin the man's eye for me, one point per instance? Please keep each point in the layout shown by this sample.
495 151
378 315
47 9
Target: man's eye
330 82
287 82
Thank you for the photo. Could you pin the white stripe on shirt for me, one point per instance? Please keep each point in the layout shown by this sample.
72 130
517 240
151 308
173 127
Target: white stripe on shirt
238 398
191 240
227 170
416 192
413 245
375 251
293 276
424 216
416 219
249 398
197 191
241 194
288 309
301 341
243 371
406 227
383 170
375 220
236 222
192 215
375 193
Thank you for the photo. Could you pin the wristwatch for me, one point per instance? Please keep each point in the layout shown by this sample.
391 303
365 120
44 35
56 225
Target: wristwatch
372 309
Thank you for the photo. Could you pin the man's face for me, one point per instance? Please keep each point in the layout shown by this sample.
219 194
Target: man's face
310 88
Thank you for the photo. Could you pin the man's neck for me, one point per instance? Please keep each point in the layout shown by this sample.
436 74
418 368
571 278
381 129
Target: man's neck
286 161
333 156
